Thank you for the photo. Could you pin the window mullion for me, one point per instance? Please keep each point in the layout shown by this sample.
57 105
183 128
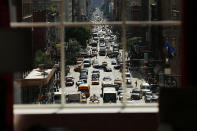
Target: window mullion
62 55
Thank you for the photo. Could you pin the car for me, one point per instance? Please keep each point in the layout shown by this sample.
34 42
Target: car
94 49
144 87
107 83
118 81
95 64
155 98
84 70
128 75
83 98
86 62
128 81
120 90
104 63
107 69
79 60
154 88
96 71
113 62
117 67
81 81
83 76
107 78
95 81
69 81
95 75
94 99
121 96
94 53
136 94
148 97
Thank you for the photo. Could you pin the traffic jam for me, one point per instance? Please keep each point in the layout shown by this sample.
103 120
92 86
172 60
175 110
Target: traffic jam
97 78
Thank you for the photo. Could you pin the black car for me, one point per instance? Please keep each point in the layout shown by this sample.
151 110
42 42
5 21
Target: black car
84 70
117 67
107 69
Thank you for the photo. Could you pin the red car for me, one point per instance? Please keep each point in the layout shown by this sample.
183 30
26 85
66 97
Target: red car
69 81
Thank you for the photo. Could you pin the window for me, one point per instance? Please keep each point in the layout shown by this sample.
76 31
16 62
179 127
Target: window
140 35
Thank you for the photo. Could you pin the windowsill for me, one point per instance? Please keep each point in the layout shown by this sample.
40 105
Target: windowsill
84 109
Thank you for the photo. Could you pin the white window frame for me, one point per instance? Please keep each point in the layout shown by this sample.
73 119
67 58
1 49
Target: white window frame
81 108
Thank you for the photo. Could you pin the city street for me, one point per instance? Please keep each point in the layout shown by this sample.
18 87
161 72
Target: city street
96 89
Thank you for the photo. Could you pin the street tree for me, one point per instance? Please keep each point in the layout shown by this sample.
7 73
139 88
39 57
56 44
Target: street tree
81 34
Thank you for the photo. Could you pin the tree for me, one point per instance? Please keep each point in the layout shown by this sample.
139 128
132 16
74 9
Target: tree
131 42
72 52
41 59
81 34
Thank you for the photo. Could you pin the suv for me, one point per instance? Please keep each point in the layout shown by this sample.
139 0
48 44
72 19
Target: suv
136 94
87 62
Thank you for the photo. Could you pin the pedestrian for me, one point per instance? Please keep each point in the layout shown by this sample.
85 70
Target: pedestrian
136 83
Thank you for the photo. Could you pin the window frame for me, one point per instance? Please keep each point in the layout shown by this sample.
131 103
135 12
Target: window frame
63 24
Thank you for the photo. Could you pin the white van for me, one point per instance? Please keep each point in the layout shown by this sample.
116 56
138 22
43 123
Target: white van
144 87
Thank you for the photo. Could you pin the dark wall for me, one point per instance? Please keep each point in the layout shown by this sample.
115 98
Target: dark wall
92 122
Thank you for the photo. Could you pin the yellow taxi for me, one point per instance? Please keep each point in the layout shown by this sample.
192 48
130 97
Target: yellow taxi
118 81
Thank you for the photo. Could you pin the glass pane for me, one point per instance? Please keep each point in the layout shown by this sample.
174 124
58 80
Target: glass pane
35 11
40 80
154 55
152 10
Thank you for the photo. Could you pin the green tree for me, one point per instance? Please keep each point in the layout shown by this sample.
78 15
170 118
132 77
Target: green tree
131 42
81 34
72 52
41 59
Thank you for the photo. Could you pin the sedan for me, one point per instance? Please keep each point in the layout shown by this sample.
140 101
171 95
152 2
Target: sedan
95 81
113 62
107 69
117 67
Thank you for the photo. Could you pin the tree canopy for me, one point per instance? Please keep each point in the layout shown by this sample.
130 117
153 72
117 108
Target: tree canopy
81 34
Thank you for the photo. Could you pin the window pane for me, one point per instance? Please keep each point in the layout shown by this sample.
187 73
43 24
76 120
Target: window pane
39 81
99 48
